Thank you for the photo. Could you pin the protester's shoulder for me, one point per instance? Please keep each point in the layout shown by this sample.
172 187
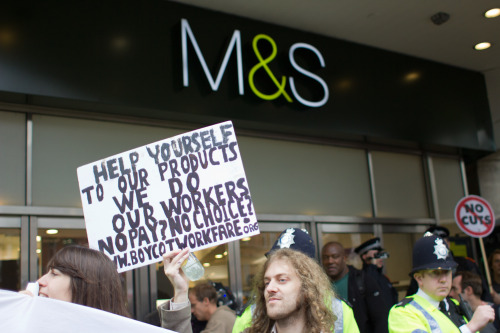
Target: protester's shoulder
226 311
221 321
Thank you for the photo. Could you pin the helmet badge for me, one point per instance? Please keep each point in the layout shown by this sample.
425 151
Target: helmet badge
440 250
287 239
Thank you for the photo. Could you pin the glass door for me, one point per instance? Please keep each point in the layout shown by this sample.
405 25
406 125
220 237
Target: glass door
349 235
52 234
10 253
398 241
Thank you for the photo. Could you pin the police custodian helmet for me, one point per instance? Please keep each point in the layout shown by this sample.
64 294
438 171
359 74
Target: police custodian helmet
295 239
431 252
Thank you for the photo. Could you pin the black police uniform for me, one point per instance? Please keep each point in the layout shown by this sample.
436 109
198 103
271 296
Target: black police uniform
389 295
365 298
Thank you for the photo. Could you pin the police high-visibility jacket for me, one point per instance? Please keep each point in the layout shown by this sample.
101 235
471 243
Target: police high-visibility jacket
345 322
416 315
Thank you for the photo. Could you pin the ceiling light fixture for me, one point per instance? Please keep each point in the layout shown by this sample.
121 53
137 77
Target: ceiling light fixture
246 239
412 76
482 46
52 231
218 256
493 12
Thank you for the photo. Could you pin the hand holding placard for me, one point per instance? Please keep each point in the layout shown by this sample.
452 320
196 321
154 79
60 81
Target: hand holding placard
172 262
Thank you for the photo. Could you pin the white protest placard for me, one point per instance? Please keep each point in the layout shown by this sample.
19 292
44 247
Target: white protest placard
186 191
26 314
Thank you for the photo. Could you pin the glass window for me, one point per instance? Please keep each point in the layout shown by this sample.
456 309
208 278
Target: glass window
298 178
10 256
449 186
398 241
61 145
350 237
400 186
253 250
51 240
13 161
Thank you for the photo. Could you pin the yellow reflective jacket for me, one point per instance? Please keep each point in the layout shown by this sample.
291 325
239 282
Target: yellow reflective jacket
345 318
416 315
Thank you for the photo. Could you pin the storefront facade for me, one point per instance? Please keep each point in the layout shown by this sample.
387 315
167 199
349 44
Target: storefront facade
346 141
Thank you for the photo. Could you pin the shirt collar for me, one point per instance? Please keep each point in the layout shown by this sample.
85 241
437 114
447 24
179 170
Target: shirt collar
433 302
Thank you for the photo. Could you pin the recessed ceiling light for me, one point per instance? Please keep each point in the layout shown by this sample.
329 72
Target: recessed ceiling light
494 12
246 239
206 264
482 46
52 231
218 256
412 76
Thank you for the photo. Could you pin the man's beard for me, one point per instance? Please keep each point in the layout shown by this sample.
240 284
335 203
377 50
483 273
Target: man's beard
281 313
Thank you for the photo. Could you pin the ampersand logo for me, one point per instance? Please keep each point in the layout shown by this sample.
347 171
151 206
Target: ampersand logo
234 47
263 64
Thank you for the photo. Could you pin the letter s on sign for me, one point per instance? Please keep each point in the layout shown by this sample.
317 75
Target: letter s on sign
309 74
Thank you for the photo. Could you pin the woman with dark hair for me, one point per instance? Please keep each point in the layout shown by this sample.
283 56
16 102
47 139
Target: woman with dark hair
84 276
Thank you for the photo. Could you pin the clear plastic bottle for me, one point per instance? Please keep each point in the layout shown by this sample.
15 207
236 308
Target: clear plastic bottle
192 268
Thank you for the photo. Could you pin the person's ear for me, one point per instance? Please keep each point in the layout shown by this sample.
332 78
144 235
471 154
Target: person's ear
418 277
206 301
468 290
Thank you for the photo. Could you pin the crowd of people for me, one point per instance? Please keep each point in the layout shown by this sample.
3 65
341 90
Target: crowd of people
293 292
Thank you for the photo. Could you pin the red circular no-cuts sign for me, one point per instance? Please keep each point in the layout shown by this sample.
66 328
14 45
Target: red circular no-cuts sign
474 216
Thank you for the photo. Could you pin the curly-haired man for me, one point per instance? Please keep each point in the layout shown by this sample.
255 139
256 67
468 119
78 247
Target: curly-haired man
292 294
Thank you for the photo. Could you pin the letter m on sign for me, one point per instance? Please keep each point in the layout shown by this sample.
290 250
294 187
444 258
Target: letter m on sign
234 43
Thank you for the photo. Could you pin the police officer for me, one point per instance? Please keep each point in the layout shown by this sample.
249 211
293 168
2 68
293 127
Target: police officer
430 310
299 240
373 255
464 264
